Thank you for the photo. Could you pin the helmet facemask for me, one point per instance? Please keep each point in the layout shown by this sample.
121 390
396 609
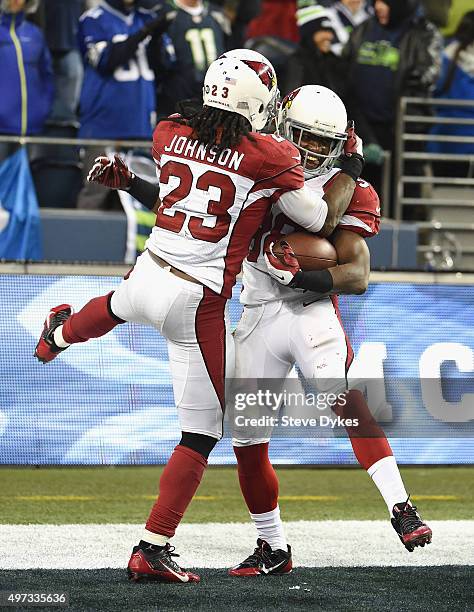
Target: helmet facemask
327 146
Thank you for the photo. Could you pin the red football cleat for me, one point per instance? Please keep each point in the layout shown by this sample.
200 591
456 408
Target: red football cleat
155 563
411 530
264 561
46 349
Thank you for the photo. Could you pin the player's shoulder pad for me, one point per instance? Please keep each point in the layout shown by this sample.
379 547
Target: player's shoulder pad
165 130
278 152
365 199
363 213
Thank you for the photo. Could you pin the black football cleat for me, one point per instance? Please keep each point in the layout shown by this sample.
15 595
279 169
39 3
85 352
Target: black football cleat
155 563
411 530
264 561
47 349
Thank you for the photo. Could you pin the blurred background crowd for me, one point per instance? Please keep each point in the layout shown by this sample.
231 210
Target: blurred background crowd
108 70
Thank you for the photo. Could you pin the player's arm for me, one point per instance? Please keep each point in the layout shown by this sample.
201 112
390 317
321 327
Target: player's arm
322 215
116 175
351 275
340 192
337 198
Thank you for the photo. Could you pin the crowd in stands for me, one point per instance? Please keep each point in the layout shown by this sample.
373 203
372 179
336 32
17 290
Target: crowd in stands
108 69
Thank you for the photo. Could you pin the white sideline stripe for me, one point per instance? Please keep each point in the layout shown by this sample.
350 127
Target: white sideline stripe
219 545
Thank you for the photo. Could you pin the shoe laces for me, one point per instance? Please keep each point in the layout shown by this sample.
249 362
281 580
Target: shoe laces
409 518
60 317
168 552
255 558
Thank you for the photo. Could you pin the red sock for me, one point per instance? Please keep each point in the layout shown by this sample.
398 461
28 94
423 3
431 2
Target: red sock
178 483
368 439
95 319
258 480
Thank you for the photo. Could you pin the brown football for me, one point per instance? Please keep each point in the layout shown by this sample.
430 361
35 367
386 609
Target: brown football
312 252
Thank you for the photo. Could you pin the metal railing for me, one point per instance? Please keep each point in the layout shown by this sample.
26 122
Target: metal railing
440 198
145 144
402 155
79 142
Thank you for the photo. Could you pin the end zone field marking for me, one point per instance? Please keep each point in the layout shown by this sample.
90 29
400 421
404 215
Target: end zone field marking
54 498
309 497
74 498
436 497
289 498
315 544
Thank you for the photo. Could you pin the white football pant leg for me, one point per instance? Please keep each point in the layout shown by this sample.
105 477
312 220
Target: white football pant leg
193 319
261 351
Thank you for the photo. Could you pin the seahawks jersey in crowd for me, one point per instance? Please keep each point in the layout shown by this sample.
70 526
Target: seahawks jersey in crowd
312 15
197 37
116 101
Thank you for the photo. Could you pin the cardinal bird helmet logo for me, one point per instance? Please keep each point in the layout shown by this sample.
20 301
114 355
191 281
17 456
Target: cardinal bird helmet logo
264 71
288 99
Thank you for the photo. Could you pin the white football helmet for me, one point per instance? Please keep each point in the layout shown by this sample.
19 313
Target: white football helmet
314 111
244 82
249 55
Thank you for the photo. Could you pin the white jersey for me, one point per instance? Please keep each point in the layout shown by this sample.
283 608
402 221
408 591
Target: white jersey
362 216
213 202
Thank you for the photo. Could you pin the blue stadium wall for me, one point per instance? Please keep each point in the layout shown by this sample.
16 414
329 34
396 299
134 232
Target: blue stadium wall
110 401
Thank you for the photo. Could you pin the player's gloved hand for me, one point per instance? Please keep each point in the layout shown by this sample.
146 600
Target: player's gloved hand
110 173
282 271
373 154
352 160
158 25
353 144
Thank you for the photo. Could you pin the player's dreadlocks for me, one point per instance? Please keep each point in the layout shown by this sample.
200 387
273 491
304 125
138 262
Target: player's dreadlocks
213 126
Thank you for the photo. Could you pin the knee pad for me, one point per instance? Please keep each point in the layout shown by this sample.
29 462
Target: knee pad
198 442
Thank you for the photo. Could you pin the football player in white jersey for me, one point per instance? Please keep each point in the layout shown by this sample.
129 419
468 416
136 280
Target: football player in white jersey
283 323
218 177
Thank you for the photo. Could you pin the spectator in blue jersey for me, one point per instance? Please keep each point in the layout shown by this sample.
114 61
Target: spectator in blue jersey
340 18
456 82
26 76
118 93
198 36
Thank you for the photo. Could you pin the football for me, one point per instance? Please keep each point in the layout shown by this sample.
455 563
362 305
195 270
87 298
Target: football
312 252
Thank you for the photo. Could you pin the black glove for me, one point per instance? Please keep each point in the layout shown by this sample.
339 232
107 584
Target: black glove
352 160
159 24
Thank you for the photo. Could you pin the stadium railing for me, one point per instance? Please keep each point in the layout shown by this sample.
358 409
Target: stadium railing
57 173
429 189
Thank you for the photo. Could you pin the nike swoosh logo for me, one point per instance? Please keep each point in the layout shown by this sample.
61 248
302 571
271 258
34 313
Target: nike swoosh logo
267 570
182 577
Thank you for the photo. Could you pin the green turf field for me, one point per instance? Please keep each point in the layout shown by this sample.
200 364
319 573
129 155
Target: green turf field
125 494
64 496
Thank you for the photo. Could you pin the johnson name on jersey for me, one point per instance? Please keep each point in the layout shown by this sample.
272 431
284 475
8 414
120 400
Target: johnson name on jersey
362 216
214 201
